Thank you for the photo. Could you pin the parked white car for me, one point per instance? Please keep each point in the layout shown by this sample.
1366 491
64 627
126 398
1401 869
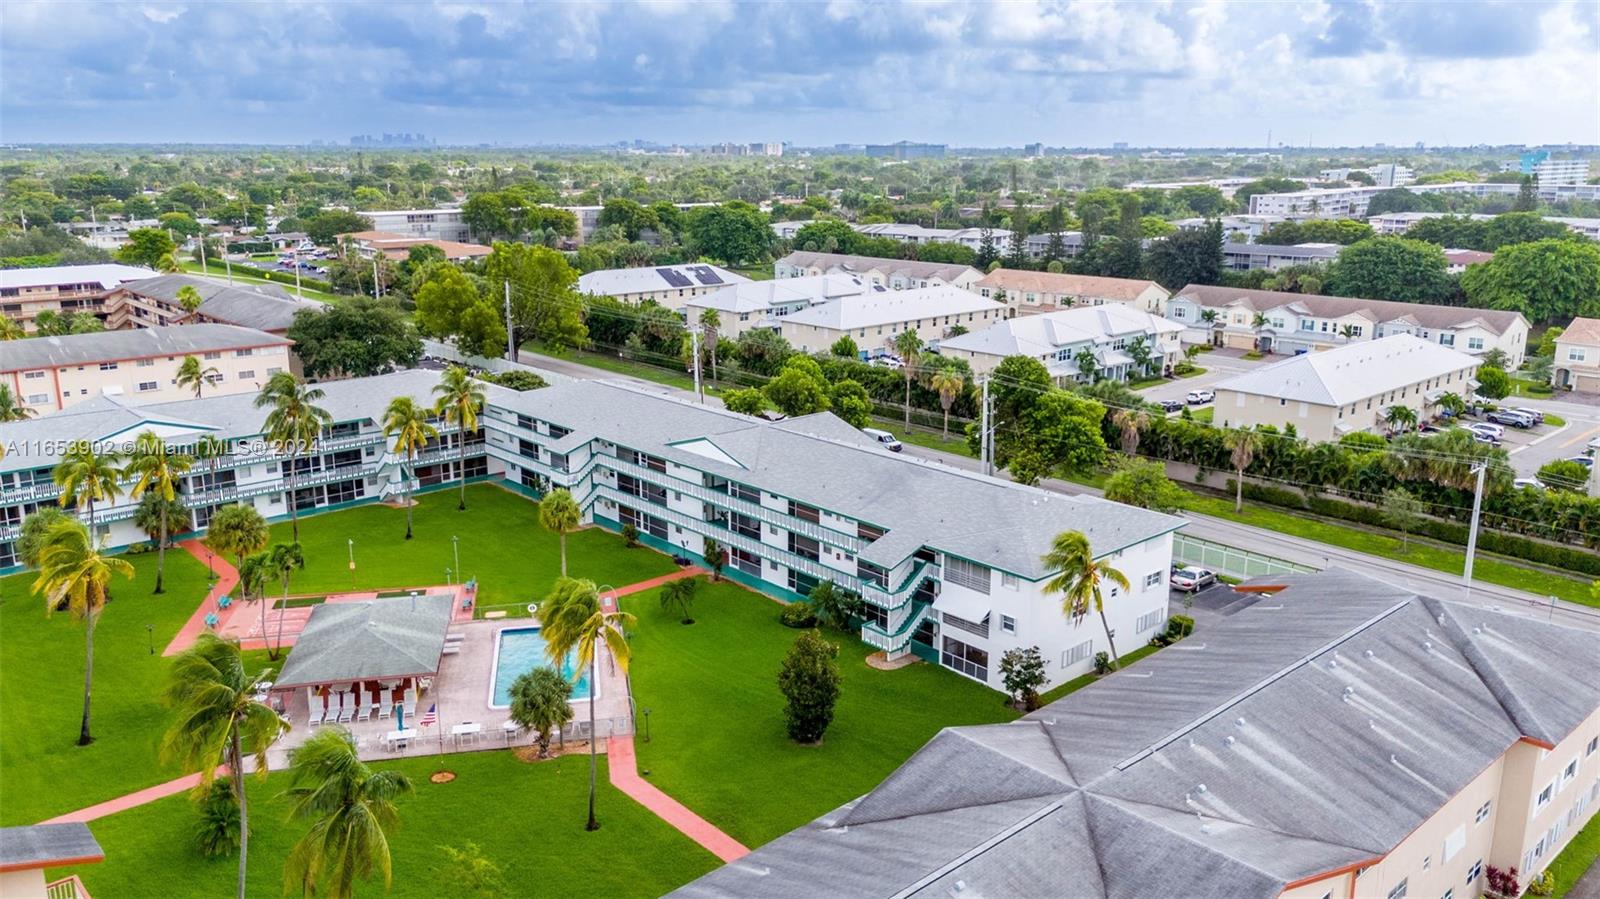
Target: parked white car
1200 397
1484 427
1192 579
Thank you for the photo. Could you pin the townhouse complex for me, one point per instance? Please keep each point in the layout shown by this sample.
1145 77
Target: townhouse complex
760 304
1080 344
947 562
671 286
1340 737
874 319
1029 291
895 274
26 292
48 374
1271 321
1329 394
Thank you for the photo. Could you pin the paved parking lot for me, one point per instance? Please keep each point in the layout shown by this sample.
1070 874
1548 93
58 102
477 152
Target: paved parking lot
1209 606
1219 365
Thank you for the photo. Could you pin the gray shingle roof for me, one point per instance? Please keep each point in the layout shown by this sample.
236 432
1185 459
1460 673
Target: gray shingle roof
106 346
374 639
1428 316
1313 730
268 307
946 271
47 845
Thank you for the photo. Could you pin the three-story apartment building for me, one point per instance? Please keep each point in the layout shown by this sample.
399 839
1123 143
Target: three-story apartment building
26 292
1113 336
948 563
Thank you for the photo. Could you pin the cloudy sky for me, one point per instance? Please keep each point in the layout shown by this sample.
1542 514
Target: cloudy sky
998 73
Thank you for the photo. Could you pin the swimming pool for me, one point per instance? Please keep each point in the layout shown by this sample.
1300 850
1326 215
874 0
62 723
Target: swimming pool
517 651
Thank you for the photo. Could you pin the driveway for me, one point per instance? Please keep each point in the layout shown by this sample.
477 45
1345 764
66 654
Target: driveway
1219 365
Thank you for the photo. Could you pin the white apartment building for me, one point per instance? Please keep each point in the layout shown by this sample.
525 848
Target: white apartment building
48 374
1327 395
672 286
1352 202
1251 227
1310 746
1384 175
1577 362
1112 336
431 224
1242 257
1271 321
1551 171
873 320
26 292
1028 292
895 274
971 238
1393 223
760 304
947 562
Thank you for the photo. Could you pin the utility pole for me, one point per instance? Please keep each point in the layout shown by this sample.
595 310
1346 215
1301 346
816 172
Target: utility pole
202 243
227 264
1482 469
299 291
985 429
377 291
511 341
694 351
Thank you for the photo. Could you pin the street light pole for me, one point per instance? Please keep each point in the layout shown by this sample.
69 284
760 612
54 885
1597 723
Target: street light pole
1472 533
455 545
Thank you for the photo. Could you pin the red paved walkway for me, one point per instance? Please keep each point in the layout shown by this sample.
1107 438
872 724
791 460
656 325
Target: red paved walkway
608 599
123 803
227 578
620 761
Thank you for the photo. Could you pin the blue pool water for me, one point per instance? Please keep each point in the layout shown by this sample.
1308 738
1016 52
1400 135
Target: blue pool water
520 650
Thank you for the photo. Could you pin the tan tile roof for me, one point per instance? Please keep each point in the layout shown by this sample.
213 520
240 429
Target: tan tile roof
1425 315
1074 285
1582 330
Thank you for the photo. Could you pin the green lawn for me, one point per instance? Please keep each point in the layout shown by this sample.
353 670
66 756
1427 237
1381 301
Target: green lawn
1084 680
761 272
1193 372
1142 383
243 272
1202 416
956 443
1577 858
1424 555
502 545
618 365
718 742
526 818
43 772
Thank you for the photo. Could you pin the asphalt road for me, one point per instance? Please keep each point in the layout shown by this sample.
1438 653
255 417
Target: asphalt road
1205 527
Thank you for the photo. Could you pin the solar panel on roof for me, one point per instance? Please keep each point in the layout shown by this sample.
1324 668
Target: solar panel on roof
674 278
705 275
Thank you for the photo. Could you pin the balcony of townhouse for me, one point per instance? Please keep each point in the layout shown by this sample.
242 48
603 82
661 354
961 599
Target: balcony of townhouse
32 493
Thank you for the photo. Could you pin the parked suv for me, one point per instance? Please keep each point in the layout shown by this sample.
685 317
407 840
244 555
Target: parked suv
1535 414
1200 397
1511 417
1483 427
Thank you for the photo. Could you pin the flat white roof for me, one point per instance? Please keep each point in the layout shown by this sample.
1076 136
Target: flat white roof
1351 372
107 274
892 306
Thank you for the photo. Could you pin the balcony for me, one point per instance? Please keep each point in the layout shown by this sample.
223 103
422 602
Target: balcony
66 888
30 493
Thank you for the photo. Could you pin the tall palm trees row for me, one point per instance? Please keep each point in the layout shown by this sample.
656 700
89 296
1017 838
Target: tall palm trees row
459 401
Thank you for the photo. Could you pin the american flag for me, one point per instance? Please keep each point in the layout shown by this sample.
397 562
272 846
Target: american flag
431 718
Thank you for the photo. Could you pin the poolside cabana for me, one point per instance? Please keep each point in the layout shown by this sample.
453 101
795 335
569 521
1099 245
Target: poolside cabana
357 661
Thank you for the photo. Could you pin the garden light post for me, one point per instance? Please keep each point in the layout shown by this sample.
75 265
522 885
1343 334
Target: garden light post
447 576
351 546
455 546
647 725
150 637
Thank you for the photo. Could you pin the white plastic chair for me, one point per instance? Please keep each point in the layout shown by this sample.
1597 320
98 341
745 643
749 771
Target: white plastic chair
347 708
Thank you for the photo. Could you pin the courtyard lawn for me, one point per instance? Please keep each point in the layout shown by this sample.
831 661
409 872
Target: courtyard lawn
526 818
502 545
1579 856
43 773
249 274
718 743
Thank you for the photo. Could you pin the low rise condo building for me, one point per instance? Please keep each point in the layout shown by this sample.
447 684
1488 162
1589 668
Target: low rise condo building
672 286
1271 321
1577 362
948 563
1244 257
156 301
397 247
895 274
61 289
1084 344
1337 737
760 304
28 853
1391 223
1028 292
427 224
1327 395
48 374
873 320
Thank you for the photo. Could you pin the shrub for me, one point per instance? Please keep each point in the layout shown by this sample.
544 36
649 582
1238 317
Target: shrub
630 536
1542 884
798 614
1022 673
810 684
1102 663
517 379
1502 882
1180 626
217 830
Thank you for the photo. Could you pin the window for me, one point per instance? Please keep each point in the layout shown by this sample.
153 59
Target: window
1150 619
969 660
33 376
1590 749
1544 797
1449 893
1568 774
1475 872
147 386
1008 581
213 355
1577 354
967 574
805 512
108 366
1008 624
1076 654
145 363
35 399
1152 579
242 353
247 374
1474 343
1427 863
1483 812
1399 891
1454 842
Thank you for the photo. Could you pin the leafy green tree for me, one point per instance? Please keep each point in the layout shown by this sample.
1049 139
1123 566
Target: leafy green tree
1391 268
1339 231
799 389
745 401
450 306
1059 430
351 810
844 348
35 530
516 379
1547 280
467 872
1187 257
544 300
827 236
51 323
1527 196
559 512
324 227
810 682
1145 484
75 575
1547 341
486 216
851 402
1457 231
677 597
1493 382
219 722
356 338
459 401
541 702
762 351
149 247
1401 511
1393 200
1564 474
293 424
1241 197
1521 227
575 623
1022 674
734 232
1079 578
157 472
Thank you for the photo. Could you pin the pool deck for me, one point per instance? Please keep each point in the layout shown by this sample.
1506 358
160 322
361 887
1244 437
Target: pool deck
462 694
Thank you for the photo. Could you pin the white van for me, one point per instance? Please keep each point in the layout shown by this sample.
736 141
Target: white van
884 438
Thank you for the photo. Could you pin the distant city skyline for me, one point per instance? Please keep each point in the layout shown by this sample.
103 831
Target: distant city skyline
1208 74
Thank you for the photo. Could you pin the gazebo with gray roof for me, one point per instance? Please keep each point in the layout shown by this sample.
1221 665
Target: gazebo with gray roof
390 643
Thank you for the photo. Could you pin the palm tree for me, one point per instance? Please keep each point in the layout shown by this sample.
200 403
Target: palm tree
573 621
1242 444
1348 332
460 399
195 376
710 327
716 557
1130 423
157 471
10 330
86 476
254 573
293 425
238 529
908 344
189 298
1400 418
351 809
678 596
282 560
11 408
408 425
1139 352
219 722
1452 404
559 512
1079 581
72 572
541 701
949 383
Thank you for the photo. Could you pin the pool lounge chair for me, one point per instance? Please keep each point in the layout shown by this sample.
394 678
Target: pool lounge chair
347 708
385 709
368 707
316 712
